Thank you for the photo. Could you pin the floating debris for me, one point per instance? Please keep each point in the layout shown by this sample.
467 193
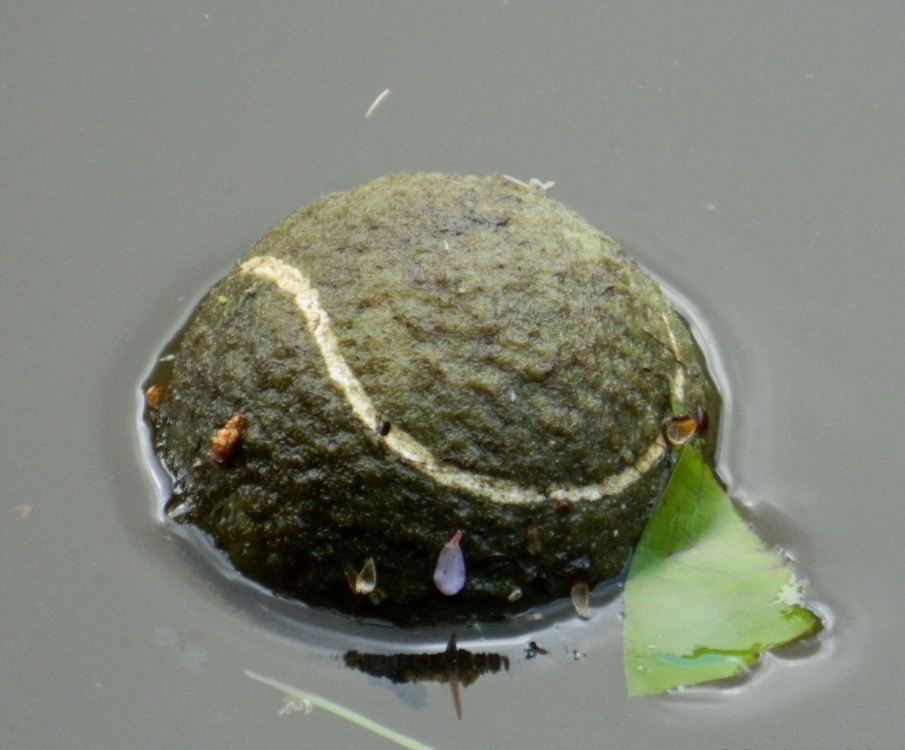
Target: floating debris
178 511
449 575
24 510
581 597
729 595
376 103
152 396
292 705
533 186
366 580
227 440
679 430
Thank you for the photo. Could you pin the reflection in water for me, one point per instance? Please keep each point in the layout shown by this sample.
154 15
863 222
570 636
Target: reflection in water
455 665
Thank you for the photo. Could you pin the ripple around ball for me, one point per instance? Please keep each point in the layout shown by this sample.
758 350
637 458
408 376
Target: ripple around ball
424 354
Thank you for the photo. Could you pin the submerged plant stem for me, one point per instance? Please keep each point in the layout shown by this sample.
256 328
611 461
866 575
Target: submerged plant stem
342 712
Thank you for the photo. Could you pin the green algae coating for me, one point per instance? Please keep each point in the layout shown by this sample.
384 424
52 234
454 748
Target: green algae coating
496 327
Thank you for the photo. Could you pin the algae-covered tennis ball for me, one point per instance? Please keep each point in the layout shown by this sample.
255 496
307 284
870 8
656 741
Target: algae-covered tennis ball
429 398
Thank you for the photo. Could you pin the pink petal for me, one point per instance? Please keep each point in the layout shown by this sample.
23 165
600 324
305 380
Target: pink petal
449 575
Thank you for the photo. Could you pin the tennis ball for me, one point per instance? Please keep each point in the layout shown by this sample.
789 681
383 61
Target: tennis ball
429 398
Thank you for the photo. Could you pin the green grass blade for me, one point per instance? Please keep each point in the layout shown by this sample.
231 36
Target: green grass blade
342 712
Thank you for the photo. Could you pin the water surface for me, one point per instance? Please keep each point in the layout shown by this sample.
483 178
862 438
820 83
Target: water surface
750 157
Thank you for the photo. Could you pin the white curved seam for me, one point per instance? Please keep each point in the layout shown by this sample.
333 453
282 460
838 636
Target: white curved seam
678 378
292 281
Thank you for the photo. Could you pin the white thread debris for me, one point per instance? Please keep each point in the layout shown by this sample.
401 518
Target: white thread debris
376 103
533 186
791 594
292 704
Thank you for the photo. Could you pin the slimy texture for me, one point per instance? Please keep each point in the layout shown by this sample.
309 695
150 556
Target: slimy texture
424 354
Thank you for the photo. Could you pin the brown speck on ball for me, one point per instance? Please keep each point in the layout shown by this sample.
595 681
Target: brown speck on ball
227 440
679 430
153 395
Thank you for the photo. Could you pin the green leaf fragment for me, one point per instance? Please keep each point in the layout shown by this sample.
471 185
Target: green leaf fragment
704 595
